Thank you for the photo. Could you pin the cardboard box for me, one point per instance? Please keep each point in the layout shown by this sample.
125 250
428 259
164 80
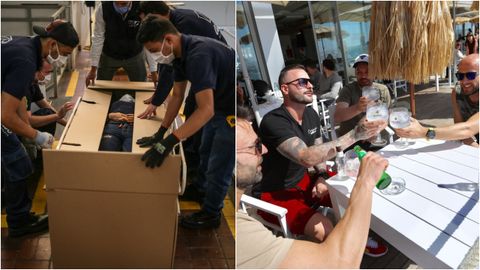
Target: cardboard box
106 209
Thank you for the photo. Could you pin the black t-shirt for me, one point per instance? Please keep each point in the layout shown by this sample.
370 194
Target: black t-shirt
21 58
208 63
467 108
277 126
33 95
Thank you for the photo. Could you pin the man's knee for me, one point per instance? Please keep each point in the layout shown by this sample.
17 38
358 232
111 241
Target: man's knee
319 227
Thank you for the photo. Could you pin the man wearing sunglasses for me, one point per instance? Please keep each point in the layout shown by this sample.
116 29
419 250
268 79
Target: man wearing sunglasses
258 248
351 106
292 136
465 109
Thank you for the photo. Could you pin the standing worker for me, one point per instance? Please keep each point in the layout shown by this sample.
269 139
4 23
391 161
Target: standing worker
21 58
210 67
114 45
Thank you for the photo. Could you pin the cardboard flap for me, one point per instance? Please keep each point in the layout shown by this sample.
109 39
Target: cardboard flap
109 171
86 127
145 127
123 85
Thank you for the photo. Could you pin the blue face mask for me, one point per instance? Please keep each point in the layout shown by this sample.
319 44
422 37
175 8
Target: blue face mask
121 10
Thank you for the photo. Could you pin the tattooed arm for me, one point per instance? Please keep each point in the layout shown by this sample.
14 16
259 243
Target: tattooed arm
296 150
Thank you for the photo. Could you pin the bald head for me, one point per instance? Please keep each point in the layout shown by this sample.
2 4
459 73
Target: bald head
470 61
469 64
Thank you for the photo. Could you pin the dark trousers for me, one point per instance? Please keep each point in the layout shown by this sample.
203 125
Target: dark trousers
16 168
50 128
217 160
134 67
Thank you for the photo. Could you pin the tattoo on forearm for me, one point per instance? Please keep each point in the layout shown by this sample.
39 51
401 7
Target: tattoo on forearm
292 149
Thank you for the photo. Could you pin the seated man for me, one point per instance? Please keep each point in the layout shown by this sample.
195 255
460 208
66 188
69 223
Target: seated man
315 75
118 132
46 117
351 106
292 136
330 82
465 109
257 247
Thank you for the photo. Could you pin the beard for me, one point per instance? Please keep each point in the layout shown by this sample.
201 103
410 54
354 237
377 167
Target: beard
300 98
248 178
364 82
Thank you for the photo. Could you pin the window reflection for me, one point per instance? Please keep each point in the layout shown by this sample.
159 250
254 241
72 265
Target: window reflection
354 18
246 44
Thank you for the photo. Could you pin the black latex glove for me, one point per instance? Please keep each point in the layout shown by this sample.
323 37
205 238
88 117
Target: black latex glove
151 140
159 151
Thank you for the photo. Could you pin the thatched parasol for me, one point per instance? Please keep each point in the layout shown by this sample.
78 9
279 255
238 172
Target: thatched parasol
410 40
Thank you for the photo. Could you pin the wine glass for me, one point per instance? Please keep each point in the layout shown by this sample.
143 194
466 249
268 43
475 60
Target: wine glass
371 93
397 186
400 118
378 111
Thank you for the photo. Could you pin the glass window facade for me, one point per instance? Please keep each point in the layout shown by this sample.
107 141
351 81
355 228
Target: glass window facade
247 49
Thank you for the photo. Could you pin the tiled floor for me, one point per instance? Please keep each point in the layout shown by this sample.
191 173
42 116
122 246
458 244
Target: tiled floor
213 248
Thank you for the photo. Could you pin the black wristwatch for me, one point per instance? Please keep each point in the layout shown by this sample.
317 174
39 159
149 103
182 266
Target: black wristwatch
430 134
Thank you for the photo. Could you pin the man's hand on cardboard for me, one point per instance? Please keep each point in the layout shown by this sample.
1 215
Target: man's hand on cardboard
151 140
155 156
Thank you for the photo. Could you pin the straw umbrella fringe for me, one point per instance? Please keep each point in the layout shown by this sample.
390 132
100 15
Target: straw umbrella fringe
410 40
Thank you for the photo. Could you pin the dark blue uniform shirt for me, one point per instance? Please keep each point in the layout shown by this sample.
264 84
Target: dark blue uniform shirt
187 22
192 22
208 63
21 58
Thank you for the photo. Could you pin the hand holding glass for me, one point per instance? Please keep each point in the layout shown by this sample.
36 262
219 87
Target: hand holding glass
378 111
400 118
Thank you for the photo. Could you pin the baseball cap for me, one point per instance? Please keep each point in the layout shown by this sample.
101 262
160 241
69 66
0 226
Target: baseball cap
59 30
362 58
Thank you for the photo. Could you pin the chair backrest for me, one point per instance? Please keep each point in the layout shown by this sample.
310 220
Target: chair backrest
250 205
331 113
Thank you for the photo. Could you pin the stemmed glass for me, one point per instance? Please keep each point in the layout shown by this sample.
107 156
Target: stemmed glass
373 95
400 118
397 186
378 111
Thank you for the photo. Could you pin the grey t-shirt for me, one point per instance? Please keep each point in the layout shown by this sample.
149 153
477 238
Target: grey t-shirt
326 83
351 94
257 247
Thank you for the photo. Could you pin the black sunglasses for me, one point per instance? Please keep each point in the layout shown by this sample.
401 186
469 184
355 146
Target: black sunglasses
257 146
302 82
470 75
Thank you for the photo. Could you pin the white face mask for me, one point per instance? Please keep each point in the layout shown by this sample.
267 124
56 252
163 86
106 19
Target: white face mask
52 60
127 98
62 60
164 59
46 79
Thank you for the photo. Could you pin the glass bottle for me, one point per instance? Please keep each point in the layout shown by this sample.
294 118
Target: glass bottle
384 180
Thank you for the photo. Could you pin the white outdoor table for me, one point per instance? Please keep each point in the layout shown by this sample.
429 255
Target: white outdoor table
433 226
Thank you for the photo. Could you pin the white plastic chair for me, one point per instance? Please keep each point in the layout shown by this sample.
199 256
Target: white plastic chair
256 204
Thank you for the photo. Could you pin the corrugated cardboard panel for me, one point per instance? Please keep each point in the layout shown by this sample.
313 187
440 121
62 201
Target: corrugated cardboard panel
145 127
109 171
112 230
123 85
89 120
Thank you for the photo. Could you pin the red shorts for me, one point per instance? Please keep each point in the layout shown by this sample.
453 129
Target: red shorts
297 201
